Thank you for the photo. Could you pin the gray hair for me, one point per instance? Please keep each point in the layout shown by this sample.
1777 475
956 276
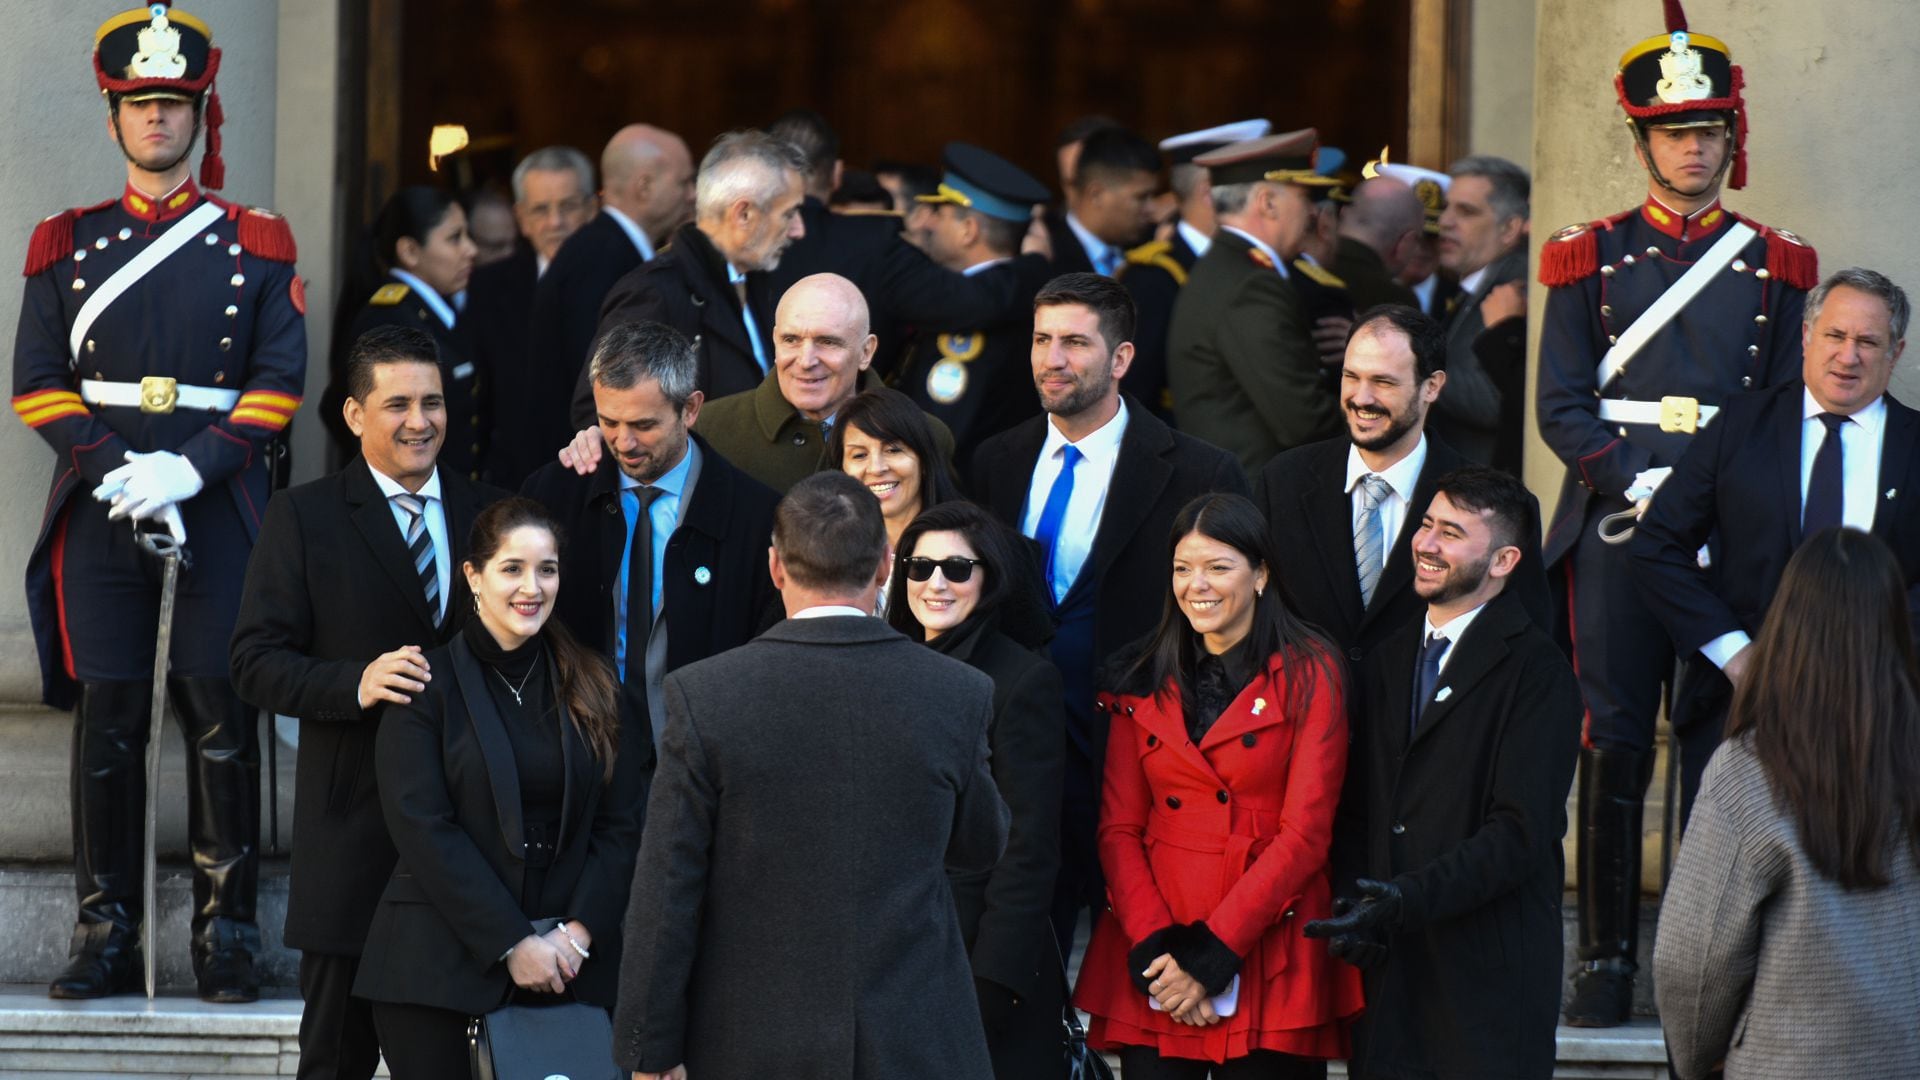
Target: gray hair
552 159
629 353
751 165
1232 198
1512 190
1871 282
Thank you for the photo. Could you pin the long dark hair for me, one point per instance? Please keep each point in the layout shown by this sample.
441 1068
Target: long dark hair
1164 662
888 415
586 679
411 212
1011 596
1831 702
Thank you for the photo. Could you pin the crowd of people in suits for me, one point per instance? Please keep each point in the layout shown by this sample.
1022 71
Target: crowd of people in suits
777 608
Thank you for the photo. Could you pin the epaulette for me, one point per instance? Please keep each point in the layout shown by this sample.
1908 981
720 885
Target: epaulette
1259 258
1158 253
389 294
53 238
1789 258
1319 273
1573 253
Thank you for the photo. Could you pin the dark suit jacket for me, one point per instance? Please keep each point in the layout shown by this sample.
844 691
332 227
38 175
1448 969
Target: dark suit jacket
563 324
450 791
1366 276
1004 912
1483 380
1466 816
329 588
1069 256
725 528
1159 471
499 311
685 286
1303 493
805 809
1739 483
1241 361
903 287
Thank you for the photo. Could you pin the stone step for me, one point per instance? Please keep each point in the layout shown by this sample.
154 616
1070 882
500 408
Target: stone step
37 913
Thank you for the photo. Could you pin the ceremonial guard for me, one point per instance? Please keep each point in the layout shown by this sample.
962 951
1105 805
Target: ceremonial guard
1656 316
161 348
1155 271
979 379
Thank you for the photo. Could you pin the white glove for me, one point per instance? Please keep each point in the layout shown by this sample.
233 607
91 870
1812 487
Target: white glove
148 483
169 515
1645 483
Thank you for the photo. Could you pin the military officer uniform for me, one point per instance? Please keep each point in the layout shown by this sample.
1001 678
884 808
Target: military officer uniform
1616 429
161 348
978 380
1155 271
403 302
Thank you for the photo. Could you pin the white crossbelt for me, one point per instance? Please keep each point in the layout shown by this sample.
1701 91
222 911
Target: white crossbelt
138 267
1662 311
214 398
1617 411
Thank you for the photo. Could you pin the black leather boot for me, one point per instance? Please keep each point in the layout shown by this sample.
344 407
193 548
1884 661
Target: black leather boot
1613 784
223 825
108 786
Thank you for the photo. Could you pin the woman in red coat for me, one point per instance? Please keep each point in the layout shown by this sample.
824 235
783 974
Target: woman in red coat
1224 763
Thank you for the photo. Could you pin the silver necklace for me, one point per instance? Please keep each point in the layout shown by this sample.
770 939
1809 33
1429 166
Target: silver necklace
515 690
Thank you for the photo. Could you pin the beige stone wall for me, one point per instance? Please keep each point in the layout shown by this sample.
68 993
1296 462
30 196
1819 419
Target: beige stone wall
1834 150
1500 90
277 83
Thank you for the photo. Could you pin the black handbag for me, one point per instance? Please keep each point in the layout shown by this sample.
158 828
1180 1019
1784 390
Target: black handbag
1083 1062
568 1041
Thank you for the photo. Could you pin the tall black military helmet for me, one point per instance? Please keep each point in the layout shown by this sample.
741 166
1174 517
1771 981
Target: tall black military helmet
158 51
1684 79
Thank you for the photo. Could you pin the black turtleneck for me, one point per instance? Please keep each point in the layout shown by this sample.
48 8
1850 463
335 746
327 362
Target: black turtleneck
532 722
1217 680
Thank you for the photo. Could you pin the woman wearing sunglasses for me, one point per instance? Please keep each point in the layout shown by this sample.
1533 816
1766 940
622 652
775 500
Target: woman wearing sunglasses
1224 763
960 585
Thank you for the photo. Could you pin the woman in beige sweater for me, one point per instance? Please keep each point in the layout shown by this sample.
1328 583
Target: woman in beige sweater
1789 940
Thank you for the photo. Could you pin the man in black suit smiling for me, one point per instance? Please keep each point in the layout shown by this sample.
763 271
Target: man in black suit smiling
354 576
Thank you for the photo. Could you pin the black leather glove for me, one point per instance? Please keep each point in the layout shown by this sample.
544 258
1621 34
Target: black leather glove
997 1004
1375 914
1364 951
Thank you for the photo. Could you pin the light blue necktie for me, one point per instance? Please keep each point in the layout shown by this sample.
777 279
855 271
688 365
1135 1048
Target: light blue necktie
1053 515
1368 543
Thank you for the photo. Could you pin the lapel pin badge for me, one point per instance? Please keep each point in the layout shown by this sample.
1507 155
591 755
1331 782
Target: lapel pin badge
1259 704
702 575
1891 492
1444 694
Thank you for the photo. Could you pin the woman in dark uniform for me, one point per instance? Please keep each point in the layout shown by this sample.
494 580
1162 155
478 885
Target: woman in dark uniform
422 242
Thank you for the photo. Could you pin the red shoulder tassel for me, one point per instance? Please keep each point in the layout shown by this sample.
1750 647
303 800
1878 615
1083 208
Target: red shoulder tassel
52 241
1676 16
1791 261
1738 82
213 167
267 236
1565 260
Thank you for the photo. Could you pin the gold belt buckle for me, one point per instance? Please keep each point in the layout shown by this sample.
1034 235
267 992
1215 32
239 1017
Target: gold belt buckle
1680 414
158 394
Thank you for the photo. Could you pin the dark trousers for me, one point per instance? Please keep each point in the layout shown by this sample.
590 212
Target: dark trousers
337 1035
422 1042
1145 1063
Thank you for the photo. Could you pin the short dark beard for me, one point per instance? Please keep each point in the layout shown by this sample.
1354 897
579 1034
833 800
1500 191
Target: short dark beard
1459 582
1398 424
1085 395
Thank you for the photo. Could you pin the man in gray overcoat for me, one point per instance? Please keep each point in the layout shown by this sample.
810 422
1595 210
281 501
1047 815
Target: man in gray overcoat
790 913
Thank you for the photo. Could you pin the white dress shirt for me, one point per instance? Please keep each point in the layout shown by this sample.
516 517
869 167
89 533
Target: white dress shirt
1098 250
1195 239
434 509
987 265
1279 266
1401 476
434 301
826 611
1861 440
1423 291
634 232
1091 479
1453 631
1472 281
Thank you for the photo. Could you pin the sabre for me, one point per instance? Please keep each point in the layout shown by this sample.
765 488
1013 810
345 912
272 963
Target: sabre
172 555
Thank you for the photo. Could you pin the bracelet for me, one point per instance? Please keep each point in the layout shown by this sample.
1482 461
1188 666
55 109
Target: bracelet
584 954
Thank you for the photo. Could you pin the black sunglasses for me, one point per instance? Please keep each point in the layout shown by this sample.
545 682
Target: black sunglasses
956 569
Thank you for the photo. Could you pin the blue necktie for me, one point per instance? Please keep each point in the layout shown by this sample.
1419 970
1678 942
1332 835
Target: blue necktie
634 503
1429 674
1826 487
1053 515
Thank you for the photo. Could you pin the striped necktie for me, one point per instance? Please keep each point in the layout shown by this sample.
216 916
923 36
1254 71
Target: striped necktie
1369 545
420 550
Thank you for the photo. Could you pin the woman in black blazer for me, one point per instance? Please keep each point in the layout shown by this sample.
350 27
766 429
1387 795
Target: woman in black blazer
961 583
512 784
